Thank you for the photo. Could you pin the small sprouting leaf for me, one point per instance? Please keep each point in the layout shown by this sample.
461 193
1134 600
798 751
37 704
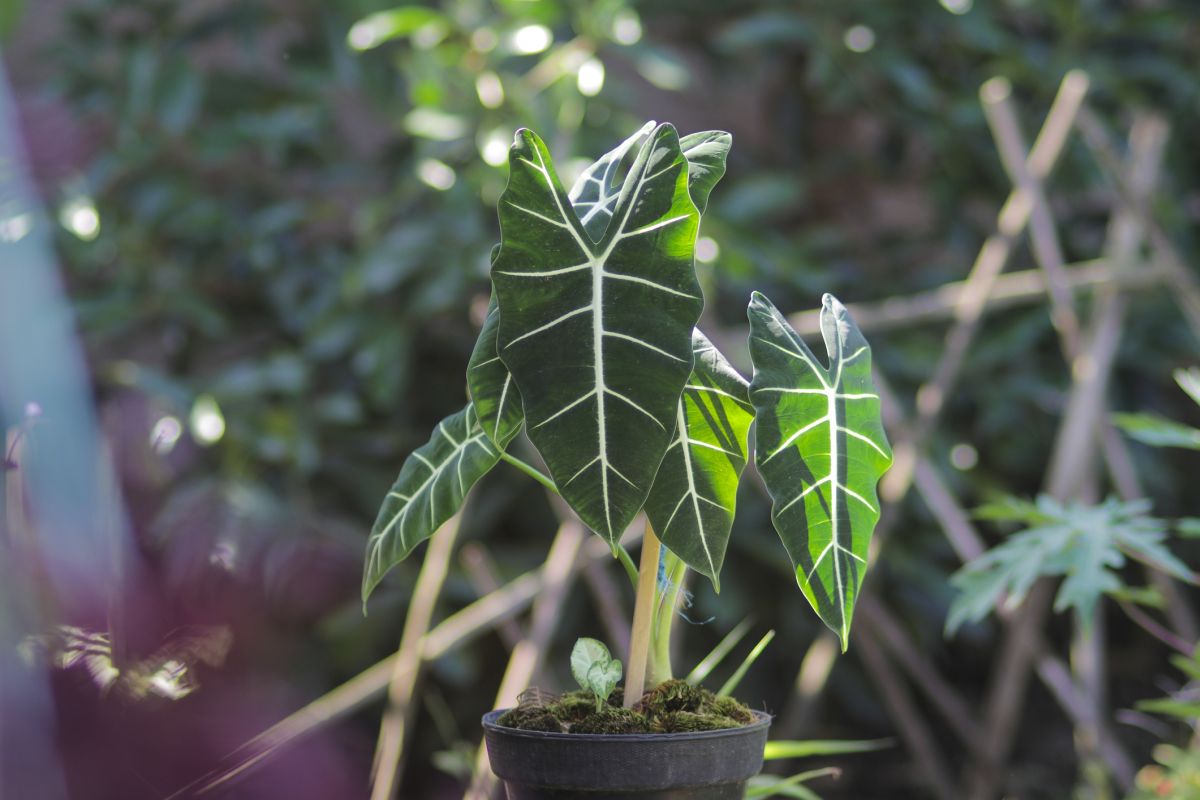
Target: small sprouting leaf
603 678
431 488
595 669
1158 431
1084 544
586 653
820 448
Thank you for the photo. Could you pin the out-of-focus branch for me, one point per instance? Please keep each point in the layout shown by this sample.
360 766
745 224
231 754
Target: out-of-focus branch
559 571
1008 290
388 769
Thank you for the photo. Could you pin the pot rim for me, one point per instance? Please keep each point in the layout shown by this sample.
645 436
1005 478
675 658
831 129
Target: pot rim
761 720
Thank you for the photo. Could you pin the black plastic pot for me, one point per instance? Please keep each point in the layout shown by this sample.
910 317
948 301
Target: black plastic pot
707 765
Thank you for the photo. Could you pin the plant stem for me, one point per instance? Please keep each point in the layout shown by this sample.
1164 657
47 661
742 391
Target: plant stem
529 470
627 562
664 617
643 619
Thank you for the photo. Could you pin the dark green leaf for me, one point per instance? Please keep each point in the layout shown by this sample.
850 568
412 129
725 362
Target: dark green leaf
597 334
820 448
706 153
692 502
431 488
493 392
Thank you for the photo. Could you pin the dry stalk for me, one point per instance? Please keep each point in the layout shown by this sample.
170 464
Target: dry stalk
559 571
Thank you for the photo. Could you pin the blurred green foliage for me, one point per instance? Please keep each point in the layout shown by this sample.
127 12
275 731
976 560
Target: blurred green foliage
288 206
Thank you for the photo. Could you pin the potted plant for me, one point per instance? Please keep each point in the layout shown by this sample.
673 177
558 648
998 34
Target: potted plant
590 346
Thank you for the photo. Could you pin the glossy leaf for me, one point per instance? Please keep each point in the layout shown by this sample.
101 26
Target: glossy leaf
594 195
431 488
706 153
493 392
820 448
597 334
693 500
595 192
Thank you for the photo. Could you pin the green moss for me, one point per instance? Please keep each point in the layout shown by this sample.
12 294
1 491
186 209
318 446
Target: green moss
672 695
573 707
689 721
671 707
728 707
613 720
531 718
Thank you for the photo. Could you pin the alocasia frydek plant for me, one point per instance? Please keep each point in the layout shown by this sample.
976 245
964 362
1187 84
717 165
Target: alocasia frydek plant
590 346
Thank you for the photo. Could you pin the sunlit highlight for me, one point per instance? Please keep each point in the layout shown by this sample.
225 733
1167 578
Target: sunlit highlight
590 78
531 39
81 218
206 422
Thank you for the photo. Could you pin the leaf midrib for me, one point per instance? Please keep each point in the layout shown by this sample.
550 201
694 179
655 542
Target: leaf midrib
612 236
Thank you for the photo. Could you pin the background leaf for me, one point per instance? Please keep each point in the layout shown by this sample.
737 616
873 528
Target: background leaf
1084 544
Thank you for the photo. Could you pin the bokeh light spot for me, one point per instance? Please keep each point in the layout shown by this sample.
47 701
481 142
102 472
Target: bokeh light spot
590 78
859 38
531 39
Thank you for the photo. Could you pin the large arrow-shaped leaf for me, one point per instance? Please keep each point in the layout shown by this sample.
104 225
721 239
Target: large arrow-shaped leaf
593 197
431 487
597 334
692 503
820 448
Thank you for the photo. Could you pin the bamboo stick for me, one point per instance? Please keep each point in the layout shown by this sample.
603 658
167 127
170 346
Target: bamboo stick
559 571
1008 290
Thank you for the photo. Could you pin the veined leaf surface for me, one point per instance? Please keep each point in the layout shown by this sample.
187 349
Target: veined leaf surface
706 152
432 485
597 334
493 391
692 502
593 197
820 448
595 192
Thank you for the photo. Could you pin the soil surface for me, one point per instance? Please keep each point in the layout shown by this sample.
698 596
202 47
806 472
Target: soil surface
673 706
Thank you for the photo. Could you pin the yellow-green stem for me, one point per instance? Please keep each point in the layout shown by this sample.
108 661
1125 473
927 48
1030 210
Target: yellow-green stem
664 617
643 619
